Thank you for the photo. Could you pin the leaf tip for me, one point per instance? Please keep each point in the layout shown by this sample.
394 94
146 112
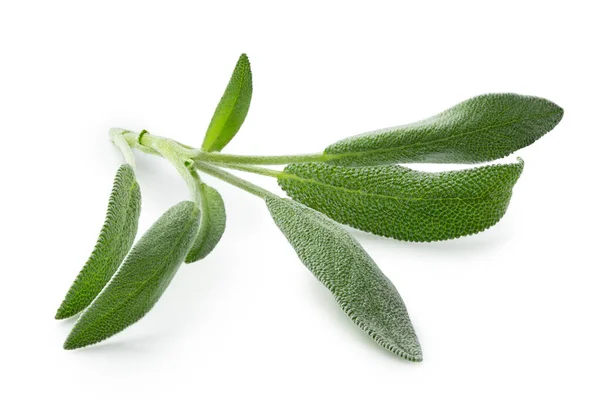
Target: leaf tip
71 344
61 313
243 61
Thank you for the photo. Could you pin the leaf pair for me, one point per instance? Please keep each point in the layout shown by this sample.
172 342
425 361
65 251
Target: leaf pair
113 301
393 201
141 280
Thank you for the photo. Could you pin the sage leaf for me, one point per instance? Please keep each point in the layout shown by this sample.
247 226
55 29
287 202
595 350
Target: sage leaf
115 239
483 128
339 262
212 224
402 203
232 108
141 280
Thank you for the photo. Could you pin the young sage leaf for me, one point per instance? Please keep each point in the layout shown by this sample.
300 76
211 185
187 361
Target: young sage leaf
483 128
342 265
404 204
212 224
232 108
141 280
115 240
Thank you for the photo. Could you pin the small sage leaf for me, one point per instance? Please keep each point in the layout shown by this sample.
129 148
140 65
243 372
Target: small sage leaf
115 240
342 265
141 280
212 224
404 204
483 128
232 108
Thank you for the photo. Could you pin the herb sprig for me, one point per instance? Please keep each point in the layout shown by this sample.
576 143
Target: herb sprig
354 181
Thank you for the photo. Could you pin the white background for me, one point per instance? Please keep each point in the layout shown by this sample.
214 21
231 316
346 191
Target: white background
509 313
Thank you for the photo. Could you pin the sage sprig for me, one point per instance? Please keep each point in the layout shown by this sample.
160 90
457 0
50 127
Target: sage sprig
353 182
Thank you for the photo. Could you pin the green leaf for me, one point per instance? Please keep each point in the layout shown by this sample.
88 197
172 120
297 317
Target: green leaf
342 265
141 280
115 240
212 224
483 128
232 108
404 204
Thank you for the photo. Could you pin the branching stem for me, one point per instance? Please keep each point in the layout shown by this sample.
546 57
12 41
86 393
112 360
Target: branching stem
234 180
256 170
187 159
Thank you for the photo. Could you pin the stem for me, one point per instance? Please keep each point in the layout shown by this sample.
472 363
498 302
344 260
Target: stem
134 140
261 160
116 135
234 180
256 170
182 157
169 151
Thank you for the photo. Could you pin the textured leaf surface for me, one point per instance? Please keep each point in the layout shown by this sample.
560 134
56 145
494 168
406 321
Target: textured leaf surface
212 224
232 108
115 240
483 128
141 280
342 265
401 203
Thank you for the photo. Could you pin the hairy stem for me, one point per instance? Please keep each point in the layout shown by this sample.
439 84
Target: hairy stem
234 180
256 170
185 159
185 167
261 160
116 135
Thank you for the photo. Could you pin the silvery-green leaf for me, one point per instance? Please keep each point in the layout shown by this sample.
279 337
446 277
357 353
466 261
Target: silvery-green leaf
483 128
337 260
232 108
212 224
404 204
141 280
115 240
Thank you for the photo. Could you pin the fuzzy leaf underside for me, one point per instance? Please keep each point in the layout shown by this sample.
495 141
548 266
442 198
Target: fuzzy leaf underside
338 261
232 108
114 242
404 204
483 128
212 224
141 280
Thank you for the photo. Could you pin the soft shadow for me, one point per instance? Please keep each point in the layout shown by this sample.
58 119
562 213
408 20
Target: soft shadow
143 344
480 243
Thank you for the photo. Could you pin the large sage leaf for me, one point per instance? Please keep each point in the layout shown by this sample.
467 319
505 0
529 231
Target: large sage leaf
141 280
483 128
232 108
212 224
342 265
404 204
113 244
